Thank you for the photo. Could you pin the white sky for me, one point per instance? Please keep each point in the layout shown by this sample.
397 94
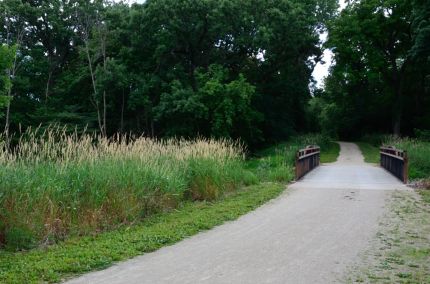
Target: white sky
134 1
322 69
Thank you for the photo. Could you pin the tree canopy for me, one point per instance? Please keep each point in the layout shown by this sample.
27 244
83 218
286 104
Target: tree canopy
228 68
215 68
380 80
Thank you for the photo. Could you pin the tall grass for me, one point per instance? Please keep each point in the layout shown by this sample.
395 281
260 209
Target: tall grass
54 184
418 153
271 164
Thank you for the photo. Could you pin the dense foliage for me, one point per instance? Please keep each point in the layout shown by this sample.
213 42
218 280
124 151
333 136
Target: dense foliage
215 68
381 78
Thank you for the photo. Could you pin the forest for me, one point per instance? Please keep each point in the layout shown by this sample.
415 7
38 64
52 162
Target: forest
380 81
231 68
165 68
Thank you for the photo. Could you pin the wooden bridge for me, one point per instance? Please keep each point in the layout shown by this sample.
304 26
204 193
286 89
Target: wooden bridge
392 159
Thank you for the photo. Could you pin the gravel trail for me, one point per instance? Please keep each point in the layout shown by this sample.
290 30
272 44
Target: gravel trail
310 234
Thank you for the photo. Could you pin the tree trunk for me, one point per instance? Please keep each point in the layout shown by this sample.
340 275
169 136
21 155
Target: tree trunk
93 81
103 51
104 113
11 73
122 113
396 126
398 103
7 122
48 84
398 110
152 128
9 95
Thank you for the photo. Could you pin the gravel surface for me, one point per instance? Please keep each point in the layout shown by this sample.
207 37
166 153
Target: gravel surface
312 233
400 253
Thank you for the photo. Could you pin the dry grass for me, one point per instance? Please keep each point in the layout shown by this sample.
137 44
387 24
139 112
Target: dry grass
56 184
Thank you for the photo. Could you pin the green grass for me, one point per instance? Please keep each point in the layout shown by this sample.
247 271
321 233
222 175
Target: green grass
370 152
217 192
270 163
54 185
79 255
418 152
330 153
425 195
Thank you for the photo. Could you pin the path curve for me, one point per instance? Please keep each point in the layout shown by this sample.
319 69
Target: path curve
310 234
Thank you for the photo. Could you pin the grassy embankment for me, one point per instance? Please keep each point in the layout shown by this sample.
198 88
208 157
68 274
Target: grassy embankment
75 205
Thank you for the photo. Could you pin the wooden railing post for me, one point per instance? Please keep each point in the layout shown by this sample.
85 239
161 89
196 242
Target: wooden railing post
405 167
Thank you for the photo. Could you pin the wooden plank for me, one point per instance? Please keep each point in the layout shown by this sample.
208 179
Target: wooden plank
308 155
391 155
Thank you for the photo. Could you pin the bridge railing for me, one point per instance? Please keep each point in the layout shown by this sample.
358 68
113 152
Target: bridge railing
395 161
306 160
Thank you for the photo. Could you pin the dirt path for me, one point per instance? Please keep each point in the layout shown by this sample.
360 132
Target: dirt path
310 234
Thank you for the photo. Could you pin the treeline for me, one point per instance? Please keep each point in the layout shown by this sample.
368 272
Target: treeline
381 78
228 68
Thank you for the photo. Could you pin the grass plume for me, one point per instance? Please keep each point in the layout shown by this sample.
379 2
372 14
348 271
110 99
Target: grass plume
55 184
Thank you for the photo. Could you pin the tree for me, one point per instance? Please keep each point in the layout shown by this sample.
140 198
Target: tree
269 46
373 42
165 67
6 62
14 25
218 106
